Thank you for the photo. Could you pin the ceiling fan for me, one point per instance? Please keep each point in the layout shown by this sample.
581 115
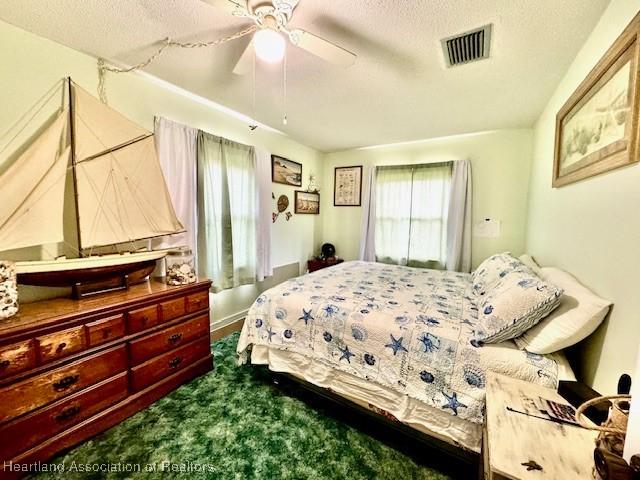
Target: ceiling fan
268 42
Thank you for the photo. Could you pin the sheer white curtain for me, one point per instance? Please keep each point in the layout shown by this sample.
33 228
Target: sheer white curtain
263 179
411 212
459 225
228 212
368 229
176 147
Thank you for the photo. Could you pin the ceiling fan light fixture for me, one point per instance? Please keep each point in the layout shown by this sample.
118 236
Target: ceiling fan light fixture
269 45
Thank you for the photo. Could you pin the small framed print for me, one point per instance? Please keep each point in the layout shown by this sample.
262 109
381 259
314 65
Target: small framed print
286 171
307 202
347 186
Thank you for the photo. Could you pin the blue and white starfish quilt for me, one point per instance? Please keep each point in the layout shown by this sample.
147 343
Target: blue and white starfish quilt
408 329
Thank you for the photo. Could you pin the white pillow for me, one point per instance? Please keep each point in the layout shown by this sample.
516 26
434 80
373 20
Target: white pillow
530 262
579 314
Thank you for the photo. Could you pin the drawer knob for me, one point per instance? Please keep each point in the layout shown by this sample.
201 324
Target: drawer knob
106 333
68 414
175 362
144 319
61 347
4 364
175 338
65 383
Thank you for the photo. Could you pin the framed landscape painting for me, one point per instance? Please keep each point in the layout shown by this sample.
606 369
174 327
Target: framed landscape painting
597 128
307 202
347 186
286 171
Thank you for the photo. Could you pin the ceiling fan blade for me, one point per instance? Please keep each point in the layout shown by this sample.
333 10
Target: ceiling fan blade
237 8
246 60
322 48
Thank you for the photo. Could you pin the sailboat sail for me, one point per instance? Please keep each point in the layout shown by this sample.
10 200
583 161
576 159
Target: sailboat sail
31 211
122 194
98 128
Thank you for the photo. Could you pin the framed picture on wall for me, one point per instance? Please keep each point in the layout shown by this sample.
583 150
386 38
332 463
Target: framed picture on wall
307 202
347 186
597 128
286 171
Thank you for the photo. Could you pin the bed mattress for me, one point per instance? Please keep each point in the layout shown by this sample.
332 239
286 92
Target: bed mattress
386 401
394 329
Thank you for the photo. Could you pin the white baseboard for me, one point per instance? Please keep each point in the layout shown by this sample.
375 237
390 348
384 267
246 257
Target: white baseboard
280 274
223 322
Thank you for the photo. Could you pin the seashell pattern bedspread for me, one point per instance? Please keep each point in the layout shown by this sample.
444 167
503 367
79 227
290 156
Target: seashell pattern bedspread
408 329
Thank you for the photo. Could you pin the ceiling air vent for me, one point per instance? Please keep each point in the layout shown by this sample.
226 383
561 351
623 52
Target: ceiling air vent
468 47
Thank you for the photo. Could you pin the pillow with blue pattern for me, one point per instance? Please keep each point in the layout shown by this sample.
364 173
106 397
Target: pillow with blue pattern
516 303
493 269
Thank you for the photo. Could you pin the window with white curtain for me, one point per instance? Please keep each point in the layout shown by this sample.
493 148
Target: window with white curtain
412 204
227 212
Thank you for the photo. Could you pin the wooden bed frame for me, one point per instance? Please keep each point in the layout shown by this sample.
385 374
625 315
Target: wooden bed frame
422 448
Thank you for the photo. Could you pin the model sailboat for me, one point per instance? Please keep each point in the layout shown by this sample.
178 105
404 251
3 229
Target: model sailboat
119 196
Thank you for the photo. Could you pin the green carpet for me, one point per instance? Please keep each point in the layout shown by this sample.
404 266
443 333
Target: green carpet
236 425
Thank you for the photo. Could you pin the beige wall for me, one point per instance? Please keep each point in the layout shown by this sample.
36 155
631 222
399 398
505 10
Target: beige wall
592 228
500 162
30 65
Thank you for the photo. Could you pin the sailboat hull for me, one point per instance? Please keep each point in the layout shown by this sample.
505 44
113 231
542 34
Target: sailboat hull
136 272
97 273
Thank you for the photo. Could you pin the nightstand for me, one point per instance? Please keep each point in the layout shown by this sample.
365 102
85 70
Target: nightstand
315 264
515 446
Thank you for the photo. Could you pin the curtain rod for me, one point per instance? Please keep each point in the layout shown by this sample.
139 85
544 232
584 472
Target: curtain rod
413 165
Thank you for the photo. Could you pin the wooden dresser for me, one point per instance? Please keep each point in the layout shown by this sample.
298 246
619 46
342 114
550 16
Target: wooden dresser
70 369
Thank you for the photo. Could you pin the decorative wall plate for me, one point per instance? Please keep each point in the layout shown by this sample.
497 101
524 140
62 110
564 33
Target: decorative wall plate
283 203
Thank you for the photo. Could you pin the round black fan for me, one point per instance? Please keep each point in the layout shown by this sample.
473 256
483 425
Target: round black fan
328 250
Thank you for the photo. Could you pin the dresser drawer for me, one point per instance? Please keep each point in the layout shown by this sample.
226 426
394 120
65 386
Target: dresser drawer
148 347
143 318
105 330
197 301
32 429
61 344
172 309
27 395
17 358
161 367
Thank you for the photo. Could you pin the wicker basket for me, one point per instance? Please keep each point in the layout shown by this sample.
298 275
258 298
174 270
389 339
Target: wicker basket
609 463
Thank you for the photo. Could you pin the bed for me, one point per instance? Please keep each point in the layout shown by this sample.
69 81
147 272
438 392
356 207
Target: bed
397 340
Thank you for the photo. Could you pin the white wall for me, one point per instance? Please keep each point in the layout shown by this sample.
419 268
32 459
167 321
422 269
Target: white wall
500 170
592 228
30 66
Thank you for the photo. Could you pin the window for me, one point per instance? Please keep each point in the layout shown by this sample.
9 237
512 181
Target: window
412 204
227 212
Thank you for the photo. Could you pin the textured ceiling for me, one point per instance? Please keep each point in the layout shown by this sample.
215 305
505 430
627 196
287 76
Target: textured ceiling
398 90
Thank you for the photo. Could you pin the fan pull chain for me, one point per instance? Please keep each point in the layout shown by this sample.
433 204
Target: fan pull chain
253 126
253 86
284 86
